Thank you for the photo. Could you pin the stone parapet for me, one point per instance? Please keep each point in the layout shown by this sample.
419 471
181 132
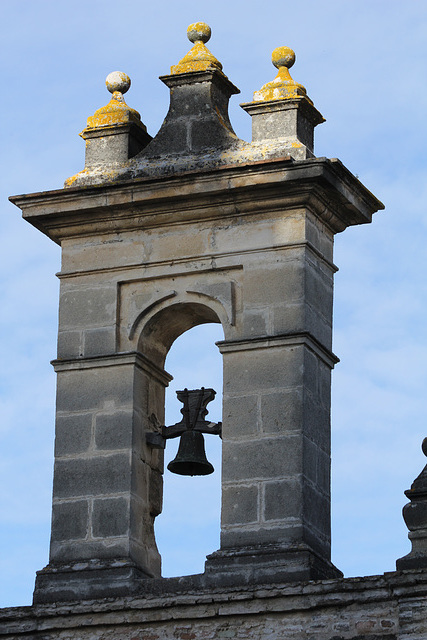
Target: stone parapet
388 607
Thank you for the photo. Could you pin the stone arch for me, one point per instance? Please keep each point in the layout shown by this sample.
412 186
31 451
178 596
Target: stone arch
155 332
165 322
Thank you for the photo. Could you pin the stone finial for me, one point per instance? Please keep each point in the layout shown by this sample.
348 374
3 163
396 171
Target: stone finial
199 58
115 132
197 121
283 86
415 516
116 111
282 113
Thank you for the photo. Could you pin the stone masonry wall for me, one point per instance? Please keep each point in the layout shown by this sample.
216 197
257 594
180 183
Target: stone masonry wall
389 607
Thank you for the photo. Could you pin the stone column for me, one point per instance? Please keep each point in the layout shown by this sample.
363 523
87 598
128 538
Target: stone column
107 487
276 414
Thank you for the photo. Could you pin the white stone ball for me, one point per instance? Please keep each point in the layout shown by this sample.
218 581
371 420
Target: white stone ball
117 81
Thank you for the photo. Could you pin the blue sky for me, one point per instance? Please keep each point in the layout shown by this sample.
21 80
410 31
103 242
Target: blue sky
364 65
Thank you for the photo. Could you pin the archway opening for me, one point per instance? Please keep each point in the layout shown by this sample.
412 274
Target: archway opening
188 528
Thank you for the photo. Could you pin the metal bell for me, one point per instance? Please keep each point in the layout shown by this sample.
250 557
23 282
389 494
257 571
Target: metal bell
191 457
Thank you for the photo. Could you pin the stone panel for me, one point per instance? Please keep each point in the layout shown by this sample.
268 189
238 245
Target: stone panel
77 551
275 280
240 504
240 413
73 434
113 430
256 322
70 344
98 475
110 517
70 520
319 290
87 389
263 369
281 411
87 307
262 458
283 499
287 532
99 341
316 422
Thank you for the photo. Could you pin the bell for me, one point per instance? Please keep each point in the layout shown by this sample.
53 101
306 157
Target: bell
191 457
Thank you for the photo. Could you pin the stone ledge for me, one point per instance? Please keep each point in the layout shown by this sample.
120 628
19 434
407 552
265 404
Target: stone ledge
170 600
325 186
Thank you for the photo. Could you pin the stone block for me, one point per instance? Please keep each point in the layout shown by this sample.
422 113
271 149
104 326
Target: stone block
283 499
206 134
287 532
256 322
86 389
311 372
110 517
319 291
320 237
70 520
99 475
317 423
323 479
155 492
316 509
70 344
113 431
263 369
106 250
141 473
240 416
87 307
282 411
178 242
262 459
311 453
279 281
73 434
107 149
77 551
288 317
99 341
316 325
239 504
324 384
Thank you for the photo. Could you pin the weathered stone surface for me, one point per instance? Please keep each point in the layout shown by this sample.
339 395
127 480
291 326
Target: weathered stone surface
73 434
242 505
70 520
113 430
110 517
390 607
198 227
93 475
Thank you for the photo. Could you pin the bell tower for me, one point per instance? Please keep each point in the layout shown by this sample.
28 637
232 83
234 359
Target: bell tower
159 235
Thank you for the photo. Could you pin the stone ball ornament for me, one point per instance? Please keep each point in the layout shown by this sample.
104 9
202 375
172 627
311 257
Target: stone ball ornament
283 57
117 81
199 32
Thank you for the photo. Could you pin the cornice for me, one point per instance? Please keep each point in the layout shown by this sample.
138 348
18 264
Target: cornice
324 186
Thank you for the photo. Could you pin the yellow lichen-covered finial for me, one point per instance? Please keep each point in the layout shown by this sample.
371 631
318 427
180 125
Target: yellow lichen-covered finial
116 111
199 58
283 86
